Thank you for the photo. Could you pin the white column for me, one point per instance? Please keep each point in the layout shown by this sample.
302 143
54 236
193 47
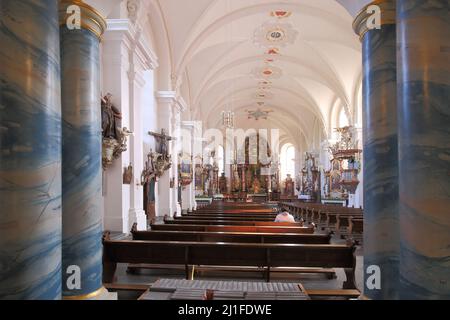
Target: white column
126 56
115 48
136 212
188 192
165 99
176 127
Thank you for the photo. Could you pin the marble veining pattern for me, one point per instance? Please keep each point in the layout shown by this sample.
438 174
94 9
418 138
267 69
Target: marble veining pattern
381 240
82 225
424 122
30 150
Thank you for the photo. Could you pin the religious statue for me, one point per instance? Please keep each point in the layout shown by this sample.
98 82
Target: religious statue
236 180
148 180
256 185
310 177
162 143
289 186
223 184
198 177
275 186
114 137
128 175
162 160
111 119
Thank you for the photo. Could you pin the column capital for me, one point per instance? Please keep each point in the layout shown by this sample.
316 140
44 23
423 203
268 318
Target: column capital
123 30
388 16
173 99
91 19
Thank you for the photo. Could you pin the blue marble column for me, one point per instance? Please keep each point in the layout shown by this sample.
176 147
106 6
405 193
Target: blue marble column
424 144
82 157
381 228
30 150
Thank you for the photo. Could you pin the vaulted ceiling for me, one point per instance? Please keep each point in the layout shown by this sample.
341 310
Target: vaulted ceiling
298 59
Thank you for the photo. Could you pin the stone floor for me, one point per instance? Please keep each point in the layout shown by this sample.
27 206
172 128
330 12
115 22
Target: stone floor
309 281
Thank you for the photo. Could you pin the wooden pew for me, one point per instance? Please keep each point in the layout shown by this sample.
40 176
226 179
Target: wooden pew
226 217
333 218
355 229
343 223
189 254
231 237
251 229
234 223
235 211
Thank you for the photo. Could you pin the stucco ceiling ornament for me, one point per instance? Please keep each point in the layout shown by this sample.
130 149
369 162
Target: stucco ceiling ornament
272 34
267 73
263 95
258 114
281 14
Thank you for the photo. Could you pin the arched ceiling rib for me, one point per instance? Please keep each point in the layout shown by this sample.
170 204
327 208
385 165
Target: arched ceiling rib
212 44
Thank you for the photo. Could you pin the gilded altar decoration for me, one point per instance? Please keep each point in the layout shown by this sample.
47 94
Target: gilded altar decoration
185 170
345 165
115 137
223 184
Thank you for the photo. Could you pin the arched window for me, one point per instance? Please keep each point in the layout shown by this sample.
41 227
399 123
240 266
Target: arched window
287 161
343 120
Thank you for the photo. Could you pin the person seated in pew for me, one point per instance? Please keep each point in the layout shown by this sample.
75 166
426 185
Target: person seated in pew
285 216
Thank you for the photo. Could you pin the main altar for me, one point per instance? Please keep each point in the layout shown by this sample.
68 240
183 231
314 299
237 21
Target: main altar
252 177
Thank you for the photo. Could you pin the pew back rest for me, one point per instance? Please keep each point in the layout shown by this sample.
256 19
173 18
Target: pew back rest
222 228
231 237
230 254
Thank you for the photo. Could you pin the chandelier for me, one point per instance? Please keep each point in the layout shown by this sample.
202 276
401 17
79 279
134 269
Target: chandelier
228 119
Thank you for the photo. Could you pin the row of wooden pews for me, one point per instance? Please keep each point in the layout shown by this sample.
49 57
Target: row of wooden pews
233 237
345 222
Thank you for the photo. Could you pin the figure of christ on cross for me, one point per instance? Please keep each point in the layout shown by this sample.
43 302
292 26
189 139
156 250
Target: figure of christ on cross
162 143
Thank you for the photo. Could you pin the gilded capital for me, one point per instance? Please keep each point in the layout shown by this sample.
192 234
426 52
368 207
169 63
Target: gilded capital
90 19
362 24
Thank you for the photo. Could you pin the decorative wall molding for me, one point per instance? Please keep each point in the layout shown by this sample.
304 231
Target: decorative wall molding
172 98
124 30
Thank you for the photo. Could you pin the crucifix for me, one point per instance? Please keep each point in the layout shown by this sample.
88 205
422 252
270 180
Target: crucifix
162 143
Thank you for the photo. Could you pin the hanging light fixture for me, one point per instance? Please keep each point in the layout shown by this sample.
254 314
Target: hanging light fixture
228 115
228 119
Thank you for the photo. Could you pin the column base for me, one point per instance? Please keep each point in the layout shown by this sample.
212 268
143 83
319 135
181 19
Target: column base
139 217
100 295
115 224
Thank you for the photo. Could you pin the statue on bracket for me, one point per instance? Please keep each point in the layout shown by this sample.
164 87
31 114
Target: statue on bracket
161 159
114 137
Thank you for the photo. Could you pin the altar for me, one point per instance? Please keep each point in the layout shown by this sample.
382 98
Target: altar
341 202
258 198
250 175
